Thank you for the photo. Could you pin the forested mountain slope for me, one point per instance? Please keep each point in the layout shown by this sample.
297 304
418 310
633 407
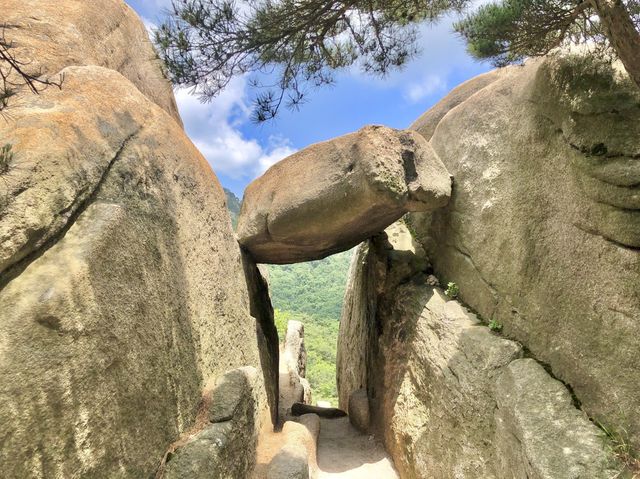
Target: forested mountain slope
233 204
313 293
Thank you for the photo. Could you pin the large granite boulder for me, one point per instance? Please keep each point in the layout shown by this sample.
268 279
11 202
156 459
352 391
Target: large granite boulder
449 397
122 291
50 36
543 228
225 445
332 195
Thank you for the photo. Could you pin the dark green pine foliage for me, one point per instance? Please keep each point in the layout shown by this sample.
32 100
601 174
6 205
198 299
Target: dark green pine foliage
296 44
293 46
512 30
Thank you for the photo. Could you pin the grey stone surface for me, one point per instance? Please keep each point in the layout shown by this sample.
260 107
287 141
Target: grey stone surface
229 396
226 447
429 120
437 382
366 180
290 463
207 456
543 227
539 432
359 410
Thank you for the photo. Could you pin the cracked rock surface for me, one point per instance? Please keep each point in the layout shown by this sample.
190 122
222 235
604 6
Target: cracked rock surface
114 239
449 397
543 227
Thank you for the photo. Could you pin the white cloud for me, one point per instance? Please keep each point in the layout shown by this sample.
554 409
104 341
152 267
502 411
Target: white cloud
442 53
429 85
214 129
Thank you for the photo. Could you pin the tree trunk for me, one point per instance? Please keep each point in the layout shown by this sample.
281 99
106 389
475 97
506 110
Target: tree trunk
622 34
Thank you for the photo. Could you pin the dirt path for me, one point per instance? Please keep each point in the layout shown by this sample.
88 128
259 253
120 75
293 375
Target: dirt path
345 453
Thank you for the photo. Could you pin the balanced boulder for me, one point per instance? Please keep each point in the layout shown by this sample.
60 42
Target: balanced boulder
333 195
293 385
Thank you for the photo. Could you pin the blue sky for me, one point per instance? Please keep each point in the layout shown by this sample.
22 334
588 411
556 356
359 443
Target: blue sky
239 150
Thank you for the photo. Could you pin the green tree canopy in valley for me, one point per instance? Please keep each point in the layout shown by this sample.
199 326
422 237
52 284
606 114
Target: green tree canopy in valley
313 293
233 205
314 288
320 337
299 44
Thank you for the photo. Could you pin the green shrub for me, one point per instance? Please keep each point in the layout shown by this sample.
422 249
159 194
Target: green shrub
495 325
618 445
452 290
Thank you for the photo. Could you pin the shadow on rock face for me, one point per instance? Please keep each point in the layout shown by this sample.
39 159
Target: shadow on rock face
597 113
542 232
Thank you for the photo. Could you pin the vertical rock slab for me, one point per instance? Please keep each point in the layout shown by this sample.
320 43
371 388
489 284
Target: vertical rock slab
446 394
269 344
294 387
359 411
365 281
291 462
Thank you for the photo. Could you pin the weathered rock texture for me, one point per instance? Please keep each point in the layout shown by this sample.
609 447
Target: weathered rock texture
359 410
294 387
333 195
121 285
301 434
448 396
297 457
225 446
291 462
543 229
268 342
54 35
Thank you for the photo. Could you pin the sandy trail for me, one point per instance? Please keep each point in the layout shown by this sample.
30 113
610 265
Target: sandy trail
345 453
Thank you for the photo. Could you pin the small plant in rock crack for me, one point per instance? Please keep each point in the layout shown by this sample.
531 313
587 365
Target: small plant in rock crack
618 446
6 159
495 325
452 290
